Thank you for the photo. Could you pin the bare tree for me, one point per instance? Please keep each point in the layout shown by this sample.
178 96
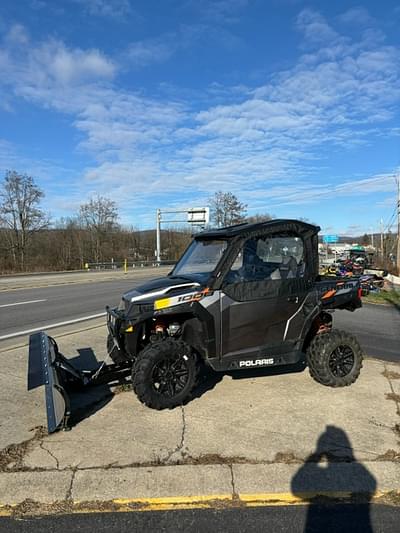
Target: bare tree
100 217
20 214
365 239
226 209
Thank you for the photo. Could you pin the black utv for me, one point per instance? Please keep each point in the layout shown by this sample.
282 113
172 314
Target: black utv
240 297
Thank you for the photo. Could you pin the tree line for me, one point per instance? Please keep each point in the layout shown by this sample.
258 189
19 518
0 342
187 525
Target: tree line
31 241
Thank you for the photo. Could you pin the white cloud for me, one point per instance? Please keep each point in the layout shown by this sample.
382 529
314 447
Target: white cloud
142 53
72 66
43 171
107 8
17 35
38 4
161 48
356 15
267 144
315 27
34 67
220 11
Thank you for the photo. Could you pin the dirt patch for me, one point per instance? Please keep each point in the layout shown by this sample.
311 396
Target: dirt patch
389 455
390 374
214 459
393 396
390 498
125 387
12 457
396 430
287 458
31 508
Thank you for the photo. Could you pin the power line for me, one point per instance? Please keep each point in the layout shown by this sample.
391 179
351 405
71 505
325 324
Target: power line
392 219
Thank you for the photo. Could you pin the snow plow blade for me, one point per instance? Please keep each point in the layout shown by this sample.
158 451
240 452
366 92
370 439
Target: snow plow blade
46 366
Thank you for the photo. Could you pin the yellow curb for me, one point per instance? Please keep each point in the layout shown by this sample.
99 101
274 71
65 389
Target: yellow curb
214 501
287 498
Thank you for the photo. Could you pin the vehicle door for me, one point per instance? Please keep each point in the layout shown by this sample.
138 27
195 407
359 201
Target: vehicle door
261 295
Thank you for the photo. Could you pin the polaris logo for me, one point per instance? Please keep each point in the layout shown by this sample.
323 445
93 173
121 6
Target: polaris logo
256 362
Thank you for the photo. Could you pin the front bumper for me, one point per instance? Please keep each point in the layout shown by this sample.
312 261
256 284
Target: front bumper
115 344
113 322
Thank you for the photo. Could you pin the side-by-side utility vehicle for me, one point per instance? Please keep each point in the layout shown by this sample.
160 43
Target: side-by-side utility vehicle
243 297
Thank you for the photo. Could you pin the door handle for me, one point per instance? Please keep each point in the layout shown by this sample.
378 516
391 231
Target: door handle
294 299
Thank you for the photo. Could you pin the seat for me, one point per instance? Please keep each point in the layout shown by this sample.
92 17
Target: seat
288 267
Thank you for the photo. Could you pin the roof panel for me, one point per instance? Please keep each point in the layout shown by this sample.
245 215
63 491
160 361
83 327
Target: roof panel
245 228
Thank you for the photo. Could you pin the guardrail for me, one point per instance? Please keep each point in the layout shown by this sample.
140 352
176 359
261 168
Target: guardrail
127 265
29 274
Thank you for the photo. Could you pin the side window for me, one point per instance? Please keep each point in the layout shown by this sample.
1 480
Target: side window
273 257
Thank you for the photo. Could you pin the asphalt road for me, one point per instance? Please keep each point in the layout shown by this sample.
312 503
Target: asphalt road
377 327
308 519
25 309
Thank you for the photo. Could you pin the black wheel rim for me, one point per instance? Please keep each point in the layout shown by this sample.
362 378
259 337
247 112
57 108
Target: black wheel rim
341 361
170 376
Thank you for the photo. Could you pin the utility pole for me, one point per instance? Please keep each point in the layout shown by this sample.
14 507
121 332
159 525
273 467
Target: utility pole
158 224
382 237
398 225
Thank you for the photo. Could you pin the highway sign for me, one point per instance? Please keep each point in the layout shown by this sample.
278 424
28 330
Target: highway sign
330 239
198 215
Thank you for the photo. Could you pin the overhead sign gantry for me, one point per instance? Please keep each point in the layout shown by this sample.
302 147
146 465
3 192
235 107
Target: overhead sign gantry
195 216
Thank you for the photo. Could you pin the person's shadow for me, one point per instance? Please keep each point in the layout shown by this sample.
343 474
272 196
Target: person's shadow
329 474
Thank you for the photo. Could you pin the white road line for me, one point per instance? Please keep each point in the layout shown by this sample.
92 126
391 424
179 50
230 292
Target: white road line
49 326
23 303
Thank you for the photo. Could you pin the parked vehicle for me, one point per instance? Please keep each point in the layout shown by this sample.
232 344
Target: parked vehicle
246 296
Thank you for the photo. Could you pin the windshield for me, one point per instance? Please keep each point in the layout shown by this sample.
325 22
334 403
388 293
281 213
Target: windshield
200 259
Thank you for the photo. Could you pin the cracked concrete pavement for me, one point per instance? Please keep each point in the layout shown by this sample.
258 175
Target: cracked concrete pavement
242 434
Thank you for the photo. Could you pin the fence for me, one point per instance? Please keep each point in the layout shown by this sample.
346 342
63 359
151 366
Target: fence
127 265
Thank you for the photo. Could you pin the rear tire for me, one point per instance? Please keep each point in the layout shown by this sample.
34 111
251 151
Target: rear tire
334 358
164 374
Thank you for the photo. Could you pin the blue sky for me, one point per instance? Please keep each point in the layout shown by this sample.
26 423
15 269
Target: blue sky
293 106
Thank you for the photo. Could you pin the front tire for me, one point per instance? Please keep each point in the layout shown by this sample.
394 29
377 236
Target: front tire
164 374
334 358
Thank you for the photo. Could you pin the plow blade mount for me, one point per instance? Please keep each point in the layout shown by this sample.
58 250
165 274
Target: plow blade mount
48 367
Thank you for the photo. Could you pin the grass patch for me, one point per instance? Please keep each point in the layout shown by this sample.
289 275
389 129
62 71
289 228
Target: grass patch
383 297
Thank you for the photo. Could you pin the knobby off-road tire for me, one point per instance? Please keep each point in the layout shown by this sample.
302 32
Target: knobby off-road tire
165 374
334 358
